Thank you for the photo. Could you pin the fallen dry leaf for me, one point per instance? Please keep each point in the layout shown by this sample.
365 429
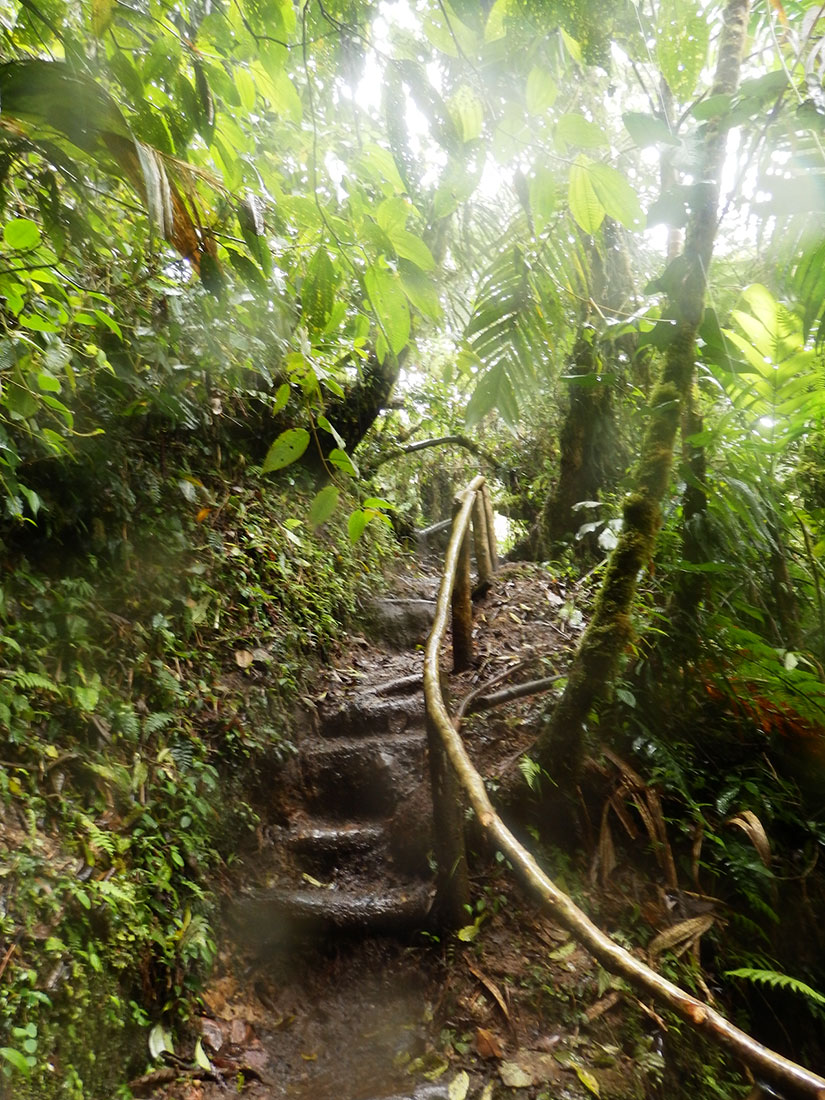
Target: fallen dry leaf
487 1044
212 1034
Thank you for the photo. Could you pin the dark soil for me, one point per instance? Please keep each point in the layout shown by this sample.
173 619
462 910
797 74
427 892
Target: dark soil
510 1001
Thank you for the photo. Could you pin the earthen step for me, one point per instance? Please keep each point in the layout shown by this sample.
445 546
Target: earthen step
273 918
371 713
334 849
362 777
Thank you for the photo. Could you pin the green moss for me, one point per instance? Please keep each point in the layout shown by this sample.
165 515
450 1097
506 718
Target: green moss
153 681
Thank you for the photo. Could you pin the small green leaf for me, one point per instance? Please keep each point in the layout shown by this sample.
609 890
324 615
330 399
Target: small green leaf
459 1086
713 107
541 91
200 1057
571 45
575 129
21 234
318 290
468 933
356 524
159 1041
420 290
587 1079
324 504
412 248
648 129
618 198
287 448
343 461
15 1058
37 323
389 301
281 398
48 383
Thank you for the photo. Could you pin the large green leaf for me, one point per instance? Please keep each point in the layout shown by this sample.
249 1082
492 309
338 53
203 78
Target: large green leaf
387 298
323 505
494 392
682 38
287 448
585 204
616 195
318 291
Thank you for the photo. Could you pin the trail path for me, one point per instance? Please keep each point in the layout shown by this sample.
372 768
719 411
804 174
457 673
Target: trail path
331 983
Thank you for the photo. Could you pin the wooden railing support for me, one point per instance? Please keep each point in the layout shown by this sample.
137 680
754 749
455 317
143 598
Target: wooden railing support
455 601
452 884
462 602
481 542
491 526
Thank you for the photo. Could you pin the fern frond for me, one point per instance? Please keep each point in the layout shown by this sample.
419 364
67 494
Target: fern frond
33 681
777 980
156 722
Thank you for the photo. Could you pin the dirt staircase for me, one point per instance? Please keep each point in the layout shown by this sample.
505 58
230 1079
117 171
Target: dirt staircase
352 855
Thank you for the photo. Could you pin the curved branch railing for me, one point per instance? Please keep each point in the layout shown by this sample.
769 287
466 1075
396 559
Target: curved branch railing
453 772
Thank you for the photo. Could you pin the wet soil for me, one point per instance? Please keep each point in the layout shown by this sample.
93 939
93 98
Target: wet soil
511 1002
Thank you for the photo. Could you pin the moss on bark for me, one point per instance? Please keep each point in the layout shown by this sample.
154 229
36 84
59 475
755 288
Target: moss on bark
561 745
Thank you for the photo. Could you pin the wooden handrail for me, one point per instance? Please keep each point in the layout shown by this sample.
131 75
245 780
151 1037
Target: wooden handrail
453 771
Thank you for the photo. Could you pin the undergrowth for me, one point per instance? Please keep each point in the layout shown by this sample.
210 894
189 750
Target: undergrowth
151 649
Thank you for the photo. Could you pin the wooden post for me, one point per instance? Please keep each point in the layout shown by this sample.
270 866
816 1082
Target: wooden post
491 526
481 541
462 605
452 880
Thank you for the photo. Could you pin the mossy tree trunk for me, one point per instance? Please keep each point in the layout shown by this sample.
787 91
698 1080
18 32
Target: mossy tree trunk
592 456
560 747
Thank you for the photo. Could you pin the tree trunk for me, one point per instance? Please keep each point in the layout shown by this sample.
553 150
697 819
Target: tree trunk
592 455
560 747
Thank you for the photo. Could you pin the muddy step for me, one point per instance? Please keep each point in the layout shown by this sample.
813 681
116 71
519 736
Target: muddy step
372 712
402 623
275 917
330 850
362 777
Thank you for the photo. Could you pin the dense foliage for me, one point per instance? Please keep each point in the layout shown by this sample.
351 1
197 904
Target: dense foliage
241 240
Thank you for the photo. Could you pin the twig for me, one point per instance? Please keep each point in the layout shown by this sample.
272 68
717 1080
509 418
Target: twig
6 958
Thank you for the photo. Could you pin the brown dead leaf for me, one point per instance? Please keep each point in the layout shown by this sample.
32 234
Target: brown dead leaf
753 828
492 989
212 1033
487 1044
679 937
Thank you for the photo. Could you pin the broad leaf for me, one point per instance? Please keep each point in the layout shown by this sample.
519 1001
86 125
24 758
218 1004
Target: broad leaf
389 301
616 195
541 91
287 448
585 205
576 130
682 39
323 505
648 129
